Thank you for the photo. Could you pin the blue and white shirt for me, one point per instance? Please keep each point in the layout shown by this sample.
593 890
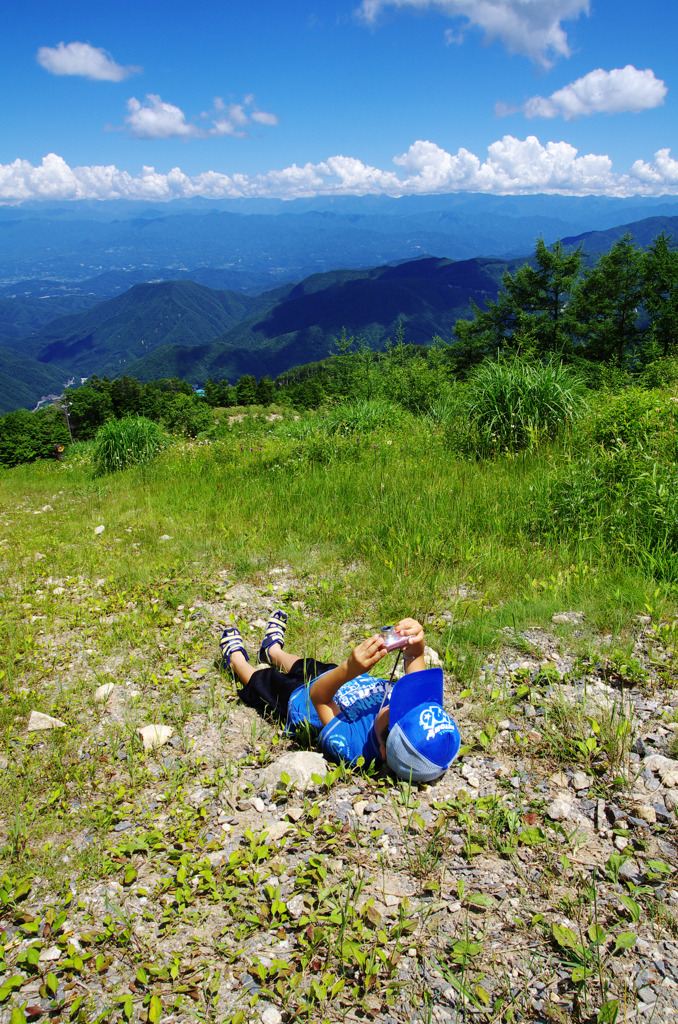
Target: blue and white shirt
351 733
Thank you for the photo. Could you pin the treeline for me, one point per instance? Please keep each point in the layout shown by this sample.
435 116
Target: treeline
613 320
621 311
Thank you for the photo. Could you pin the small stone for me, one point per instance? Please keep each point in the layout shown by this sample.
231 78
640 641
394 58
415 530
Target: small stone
580 780
432 658
629 869
39 722
647 994
560 780
155 735
277 829
621 842
165 537
102 693
99 529
671 801
50 954
271 1016
294 813
47 508
645 813
296 907
559 809
258 804
560 618
471 776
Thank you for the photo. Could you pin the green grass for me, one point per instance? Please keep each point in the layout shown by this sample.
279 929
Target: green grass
371 522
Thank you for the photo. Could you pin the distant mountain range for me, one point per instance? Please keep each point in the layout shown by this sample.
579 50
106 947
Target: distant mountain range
261 243
185 328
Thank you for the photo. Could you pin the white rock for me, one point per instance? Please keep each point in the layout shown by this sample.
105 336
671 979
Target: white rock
258 804
39 722
165 536
277 829
621 842
666 767
217 858
102 693
271 1016
298 766
580 780
671 801
296 907
559 779
559 809
99 529
432 658
50 954
47 508
155 735
561 617
657 763
471 776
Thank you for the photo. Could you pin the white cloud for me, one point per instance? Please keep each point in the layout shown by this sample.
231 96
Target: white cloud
512 166
530 27
155 119
83 59
600 92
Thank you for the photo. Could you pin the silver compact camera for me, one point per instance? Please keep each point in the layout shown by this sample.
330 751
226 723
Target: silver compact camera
392 641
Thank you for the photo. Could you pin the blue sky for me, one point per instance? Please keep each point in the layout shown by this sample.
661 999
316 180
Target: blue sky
161 100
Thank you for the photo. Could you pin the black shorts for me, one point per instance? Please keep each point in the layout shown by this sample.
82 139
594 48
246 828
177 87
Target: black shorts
269 690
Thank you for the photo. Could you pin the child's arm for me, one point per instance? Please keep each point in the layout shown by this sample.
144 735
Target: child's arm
413 654
361 659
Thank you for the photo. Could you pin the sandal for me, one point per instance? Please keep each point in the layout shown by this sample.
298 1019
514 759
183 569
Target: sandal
275 634
230 644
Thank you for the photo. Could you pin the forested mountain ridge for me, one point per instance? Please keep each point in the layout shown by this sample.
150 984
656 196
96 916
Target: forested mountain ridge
106 338
180 328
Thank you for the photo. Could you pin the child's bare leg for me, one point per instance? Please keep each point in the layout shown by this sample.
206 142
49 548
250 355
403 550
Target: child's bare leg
242 667
281 659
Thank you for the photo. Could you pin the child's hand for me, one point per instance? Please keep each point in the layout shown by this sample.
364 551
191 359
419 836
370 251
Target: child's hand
414 632
366 655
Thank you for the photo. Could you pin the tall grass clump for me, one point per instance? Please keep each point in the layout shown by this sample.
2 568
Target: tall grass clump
363 415
511 405
131 441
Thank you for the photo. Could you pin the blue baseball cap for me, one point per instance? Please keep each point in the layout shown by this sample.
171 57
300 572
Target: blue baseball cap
423 740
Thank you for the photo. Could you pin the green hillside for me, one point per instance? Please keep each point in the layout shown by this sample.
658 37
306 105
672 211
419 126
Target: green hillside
425 296
644 232
24 381
107 338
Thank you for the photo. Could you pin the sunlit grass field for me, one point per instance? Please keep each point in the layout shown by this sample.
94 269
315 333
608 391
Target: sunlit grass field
373 512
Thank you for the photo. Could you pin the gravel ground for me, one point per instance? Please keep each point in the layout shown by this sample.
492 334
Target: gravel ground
226 874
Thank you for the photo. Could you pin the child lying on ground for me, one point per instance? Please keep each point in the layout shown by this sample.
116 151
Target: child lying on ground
357 715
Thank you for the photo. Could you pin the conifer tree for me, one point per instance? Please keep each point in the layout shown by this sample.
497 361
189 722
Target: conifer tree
607 304
660 280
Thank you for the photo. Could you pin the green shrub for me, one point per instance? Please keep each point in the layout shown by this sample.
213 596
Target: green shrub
131 441
646 420
511 405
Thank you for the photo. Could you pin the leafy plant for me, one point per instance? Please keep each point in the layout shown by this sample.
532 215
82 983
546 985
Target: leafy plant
131 441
